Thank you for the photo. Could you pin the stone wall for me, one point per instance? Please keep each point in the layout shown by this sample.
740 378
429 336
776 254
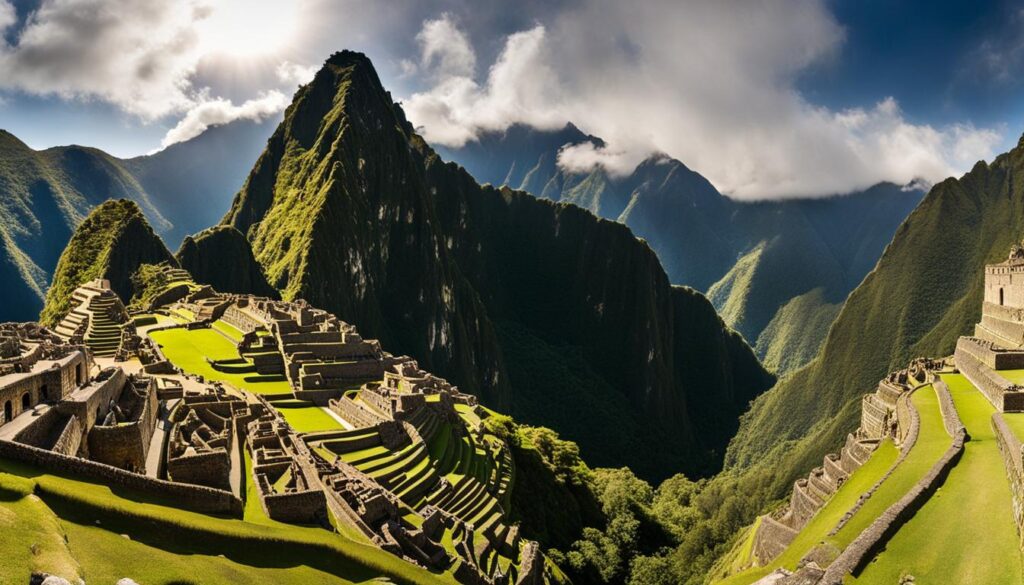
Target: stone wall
126 444
1004 395
92 401
189 497
1011 449
44 384
991 354
771 539
873 538
355 413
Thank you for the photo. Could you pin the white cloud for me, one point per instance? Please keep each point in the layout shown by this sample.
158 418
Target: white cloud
218 111
295 74
7 17
711 83
585 156
520 87
137 55
445 49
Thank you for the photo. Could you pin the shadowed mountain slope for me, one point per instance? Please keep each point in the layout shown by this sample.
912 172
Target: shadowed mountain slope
221 257
751 258
541 309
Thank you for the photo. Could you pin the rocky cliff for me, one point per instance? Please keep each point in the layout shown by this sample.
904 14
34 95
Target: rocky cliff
541 309
221 257
111 243
752 259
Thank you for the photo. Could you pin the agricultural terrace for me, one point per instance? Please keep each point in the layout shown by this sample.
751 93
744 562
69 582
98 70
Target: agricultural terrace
965 532
191 349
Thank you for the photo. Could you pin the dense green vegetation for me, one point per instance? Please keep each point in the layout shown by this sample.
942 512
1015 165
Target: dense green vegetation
350 210
965 533
796 332
112 242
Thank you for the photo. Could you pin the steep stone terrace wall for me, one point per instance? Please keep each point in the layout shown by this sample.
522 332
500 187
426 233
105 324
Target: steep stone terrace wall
189 497
771 539
868 543
1004 395
1011 449
913 426
991 354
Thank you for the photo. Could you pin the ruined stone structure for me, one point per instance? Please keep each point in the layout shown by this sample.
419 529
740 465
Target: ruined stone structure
998 340
885 413
95 319
415 470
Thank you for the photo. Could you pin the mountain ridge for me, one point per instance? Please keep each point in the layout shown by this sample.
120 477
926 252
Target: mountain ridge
496 278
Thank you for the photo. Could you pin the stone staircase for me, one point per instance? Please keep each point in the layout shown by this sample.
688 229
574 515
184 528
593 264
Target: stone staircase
96 319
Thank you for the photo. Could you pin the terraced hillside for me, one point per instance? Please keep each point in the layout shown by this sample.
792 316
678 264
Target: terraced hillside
932 501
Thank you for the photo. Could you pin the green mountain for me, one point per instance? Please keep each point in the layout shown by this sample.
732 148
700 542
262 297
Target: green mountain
111 243
45 194
541 309
752 259
221 257
925 292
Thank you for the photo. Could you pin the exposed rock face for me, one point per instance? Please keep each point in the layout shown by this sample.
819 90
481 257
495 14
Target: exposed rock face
113 241
222 258
540 309
752 259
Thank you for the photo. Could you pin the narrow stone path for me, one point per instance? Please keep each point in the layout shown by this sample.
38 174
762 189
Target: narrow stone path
156 444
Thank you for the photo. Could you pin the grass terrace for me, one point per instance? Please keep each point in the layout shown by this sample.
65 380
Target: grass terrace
817 529
80 529
228 329
189 349
965 532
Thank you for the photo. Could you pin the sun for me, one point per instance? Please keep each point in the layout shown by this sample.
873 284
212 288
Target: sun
250 28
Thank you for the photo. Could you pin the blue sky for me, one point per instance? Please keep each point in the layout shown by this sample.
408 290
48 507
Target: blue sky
768 98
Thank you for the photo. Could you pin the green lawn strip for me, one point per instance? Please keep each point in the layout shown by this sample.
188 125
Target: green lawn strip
1015 420
932 442
964 533
189 349
32 537
1015 376
106 557
182 532
228 329
308 419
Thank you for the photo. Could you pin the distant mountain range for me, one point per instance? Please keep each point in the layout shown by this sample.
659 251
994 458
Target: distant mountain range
45 194
760 263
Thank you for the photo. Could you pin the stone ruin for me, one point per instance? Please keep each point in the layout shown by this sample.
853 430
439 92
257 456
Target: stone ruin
96 319
105 422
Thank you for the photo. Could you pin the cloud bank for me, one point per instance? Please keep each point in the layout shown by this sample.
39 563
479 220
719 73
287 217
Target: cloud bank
139 55
712 83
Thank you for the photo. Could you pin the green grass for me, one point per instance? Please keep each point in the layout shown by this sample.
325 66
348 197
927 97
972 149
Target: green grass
188 350
1015 376
249 546
308 419
965 533
1015 420
932 442
817 529
228 329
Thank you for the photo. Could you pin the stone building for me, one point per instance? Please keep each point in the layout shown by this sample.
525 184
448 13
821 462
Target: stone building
998 340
